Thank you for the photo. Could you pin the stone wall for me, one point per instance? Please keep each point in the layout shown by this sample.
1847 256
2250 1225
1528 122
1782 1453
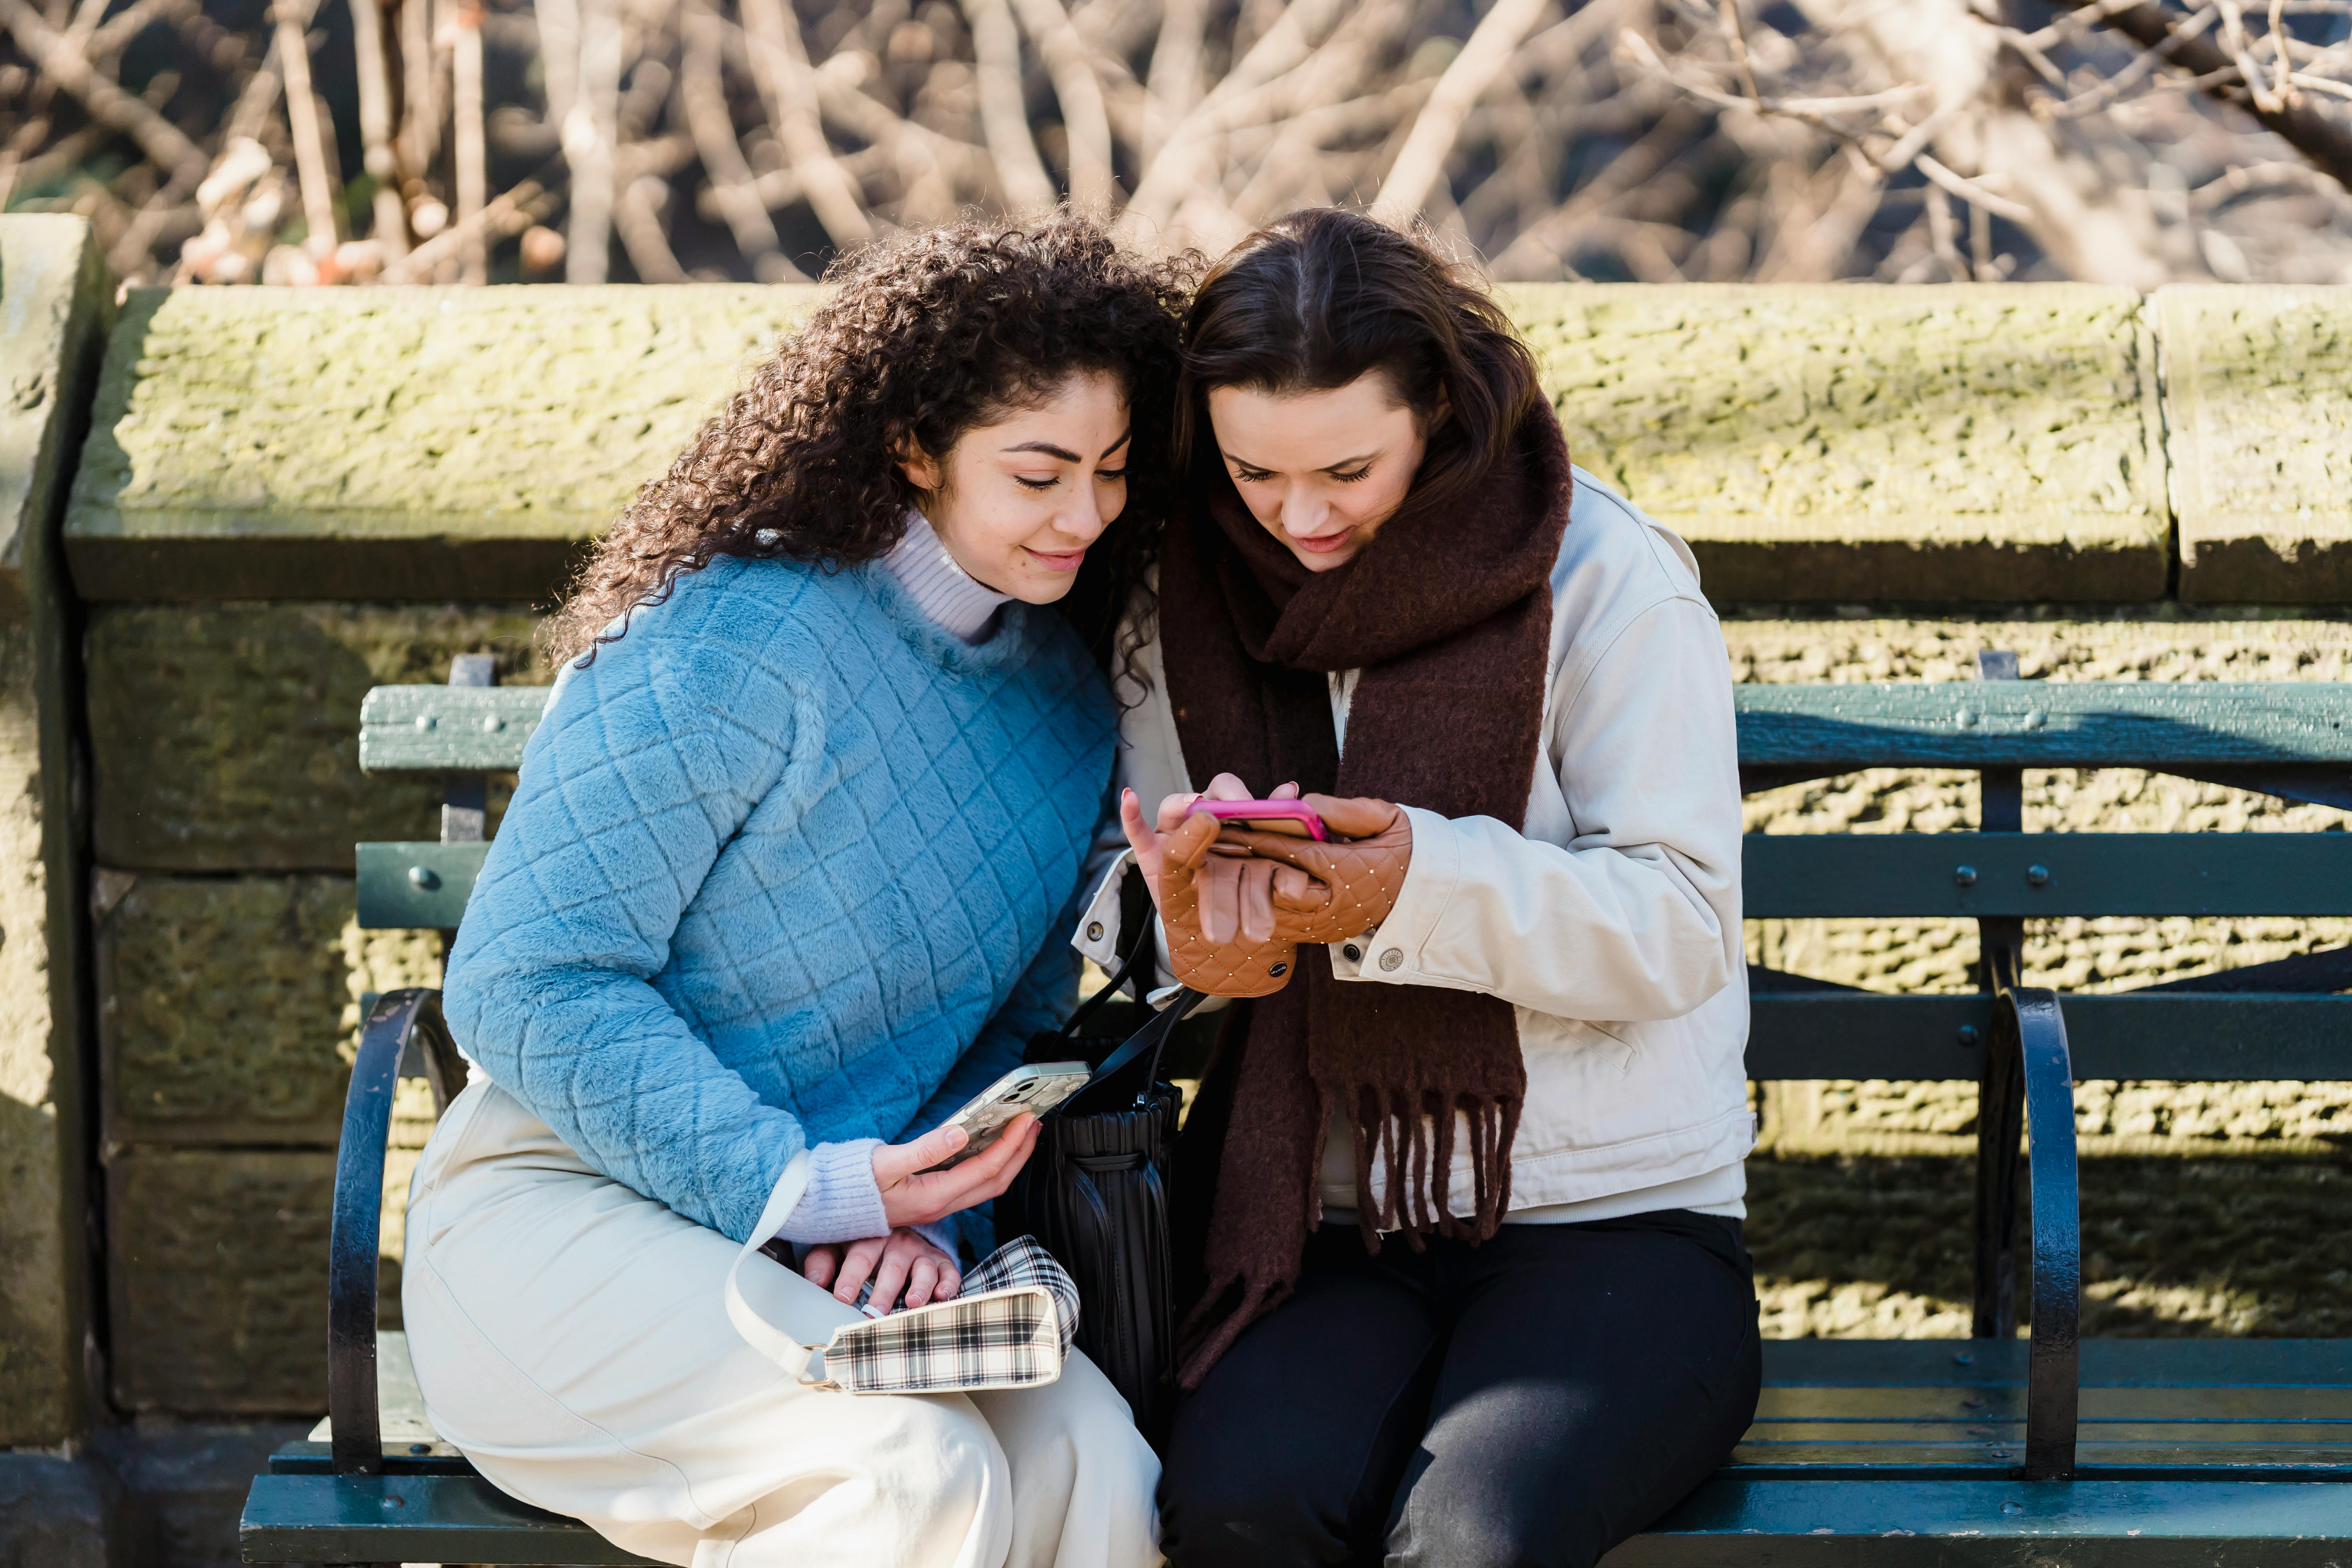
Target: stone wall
53 298
287 498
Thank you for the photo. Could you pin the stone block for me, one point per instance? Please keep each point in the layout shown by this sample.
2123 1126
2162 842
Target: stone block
228 1009
54 299
396 444
1995 443
2258 389
226 737
2072 954
183 1487
57 1512
1816 444
217 1276
57 299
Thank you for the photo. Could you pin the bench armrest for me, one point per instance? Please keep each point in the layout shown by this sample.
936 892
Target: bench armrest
397 1018
2028 1054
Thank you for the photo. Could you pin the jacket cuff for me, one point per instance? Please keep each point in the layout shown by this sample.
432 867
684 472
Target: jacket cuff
843 1203
1392 953
1098 936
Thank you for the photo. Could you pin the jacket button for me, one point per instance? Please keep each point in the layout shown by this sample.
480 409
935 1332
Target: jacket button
1392 960
1094 931
1355 954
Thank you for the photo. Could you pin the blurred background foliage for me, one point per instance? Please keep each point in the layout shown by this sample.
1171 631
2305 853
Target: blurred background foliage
481 140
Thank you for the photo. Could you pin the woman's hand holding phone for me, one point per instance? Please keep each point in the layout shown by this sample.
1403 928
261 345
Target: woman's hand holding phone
1238 892
913 1192
1237 901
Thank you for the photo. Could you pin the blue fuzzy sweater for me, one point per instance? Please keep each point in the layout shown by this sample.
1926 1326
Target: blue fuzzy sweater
787 864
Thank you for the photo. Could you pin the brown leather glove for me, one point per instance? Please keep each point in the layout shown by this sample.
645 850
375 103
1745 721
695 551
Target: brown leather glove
1359 872
1356 881
1237 966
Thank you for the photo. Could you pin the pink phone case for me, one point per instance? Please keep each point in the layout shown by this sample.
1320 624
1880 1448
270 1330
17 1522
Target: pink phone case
1263 811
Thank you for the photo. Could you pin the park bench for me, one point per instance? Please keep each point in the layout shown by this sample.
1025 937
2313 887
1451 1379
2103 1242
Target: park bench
2038 1450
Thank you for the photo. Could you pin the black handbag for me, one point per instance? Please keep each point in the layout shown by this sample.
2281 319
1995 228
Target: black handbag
1094 1193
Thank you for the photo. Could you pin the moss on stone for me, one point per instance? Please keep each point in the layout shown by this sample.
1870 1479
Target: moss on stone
226 737
2258 382
1972 443
231 1004
217 1271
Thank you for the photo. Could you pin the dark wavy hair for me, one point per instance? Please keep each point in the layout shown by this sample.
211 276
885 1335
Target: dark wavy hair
930 334
1316 298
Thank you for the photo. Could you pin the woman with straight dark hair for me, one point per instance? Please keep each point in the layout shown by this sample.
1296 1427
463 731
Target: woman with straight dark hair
1475 1286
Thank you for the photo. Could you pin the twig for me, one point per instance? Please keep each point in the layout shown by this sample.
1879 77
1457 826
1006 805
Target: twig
1174 85
780 64
302 118
589 133
1004 106
638 216
1422 162
509 214
1083 121
468 142
702 93
375 124
2140 67
161 141
420 128
2319 137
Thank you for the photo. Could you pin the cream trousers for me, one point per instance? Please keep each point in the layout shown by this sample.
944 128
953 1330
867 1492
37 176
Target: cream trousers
570 1337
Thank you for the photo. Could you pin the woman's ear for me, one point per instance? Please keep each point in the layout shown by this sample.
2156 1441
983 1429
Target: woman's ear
922 470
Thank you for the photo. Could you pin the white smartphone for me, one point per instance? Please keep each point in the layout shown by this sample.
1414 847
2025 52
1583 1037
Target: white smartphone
1035 1089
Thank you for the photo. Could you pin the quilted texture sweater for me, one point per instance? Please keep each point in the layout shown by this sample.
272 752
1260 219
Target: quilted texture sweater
787 864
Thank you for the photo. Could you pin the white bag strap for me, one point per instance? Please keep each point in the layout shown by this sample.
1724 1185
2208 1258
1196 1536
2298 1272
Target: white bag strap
758 1332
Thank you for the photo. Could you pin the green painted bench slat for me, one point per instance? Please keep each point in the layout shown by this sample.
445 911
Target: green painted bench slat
448 729
416 884
2023 724
409 1519
1804 875
1732 1519
2039 724
2221 1036
1979 1365
1792 875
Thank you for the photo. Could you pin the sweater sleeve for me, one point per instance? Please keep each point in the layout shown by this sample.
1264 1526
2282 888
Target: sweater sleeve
649 761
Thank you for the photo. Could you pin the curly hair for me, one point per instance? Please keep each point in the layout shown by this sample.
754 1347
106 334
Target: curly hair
930 334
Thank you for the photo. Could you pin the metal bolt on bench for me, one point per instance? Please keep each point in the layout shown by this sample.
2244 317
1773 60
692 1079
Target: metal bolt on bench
1925 1452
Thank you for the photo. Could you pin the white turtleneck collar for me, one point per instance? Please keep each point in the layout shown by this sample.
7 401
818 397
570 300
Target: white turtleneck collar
956 602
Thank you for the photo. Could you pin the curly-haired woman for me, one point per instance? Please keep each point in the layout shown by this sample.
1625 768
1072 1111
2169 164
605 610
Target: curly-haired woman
1475 1289
784 884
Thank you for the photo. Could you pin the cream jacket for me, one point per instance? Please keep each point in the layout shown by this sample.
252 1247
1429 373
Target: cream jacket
1611 923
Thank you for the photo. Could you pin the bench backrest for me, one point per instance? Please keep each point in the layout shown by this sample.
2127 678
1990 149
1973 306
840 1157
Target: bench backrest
2275 1021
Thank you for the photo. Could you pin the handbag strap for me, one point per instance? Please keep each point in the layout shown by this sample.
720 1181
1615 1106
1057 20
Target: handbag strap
1153 1038
1118 978
758 1332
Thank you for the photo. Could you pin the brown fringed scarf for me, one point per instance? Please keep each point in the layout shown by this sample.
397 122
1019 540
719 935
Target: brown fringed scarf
1447 611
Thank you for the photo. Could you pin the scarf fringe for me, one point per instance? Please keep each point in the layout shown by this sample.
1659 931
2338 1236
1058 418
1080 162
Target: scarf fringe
1395 1130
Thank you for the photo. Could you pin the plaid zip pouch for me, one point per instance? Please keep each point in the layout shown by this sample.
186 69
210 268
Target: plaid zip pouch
1010 1326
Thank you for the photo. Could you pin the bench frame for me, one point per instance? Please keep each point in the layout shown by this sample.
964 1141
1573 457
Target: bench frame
357 1497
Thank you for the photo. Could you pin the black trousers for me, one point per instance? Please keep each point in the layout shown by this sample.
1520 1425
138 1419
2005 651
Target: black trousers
1534 1400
